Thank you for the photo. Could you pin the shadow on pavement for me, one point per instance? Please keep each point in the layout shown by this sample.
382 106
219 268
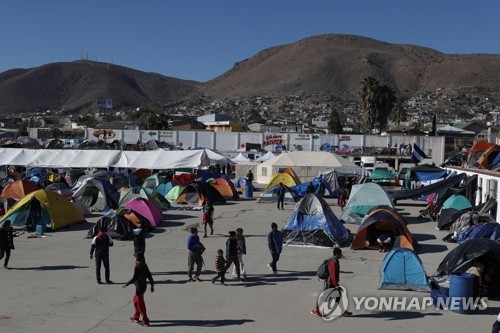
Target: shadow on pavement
199 323
396 315
49 268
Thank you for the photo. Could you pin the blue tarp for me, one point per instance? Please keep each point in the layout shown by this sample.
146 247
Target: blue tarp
425 176
301 189
403 270
163 188
486 230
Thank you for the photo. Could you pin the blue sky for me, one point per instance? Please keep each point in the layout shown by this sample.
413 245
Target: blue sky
199 40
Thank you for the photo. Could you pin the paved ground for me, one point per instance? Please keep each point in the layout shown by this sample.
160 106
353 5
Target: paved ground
52 287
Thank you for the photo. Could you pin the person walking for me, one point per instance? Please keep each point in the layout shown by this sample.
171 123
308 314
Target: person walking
208 217
332 281
250 176
232 253
100 244
6 242
281 195
310 188
141 274
275 244
139 237
220 267
242 250
195 251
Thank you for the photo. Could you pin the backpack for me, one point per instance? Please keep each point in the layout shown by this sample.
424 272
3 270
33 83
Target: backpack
322 271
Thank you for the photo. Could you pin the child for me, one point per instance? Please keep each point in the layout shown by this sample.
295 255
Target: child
242 249
220 267
101 244
208 214
141 273
6 242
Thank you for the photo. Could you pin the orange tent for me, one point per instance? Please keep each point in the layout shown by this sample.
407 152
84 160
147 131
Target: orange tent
225 188
383 219
476 151
292 173
18 189
488 157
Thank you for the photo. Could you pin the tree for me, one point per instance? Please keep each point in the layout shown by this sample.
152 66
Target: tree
334 123
398 114
369 94
152 117
387 100
378 102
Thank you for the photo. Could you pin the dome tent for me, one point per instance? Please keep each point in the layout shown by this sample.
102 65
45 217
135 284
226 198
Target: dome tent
314 223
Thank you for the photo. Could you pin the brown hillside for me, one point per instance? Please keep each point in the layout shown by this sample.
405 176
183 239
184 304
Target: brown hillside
336 64
77 85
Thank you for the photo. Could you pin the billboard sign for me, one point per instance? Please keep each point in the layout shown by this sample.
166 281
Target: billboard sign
104 103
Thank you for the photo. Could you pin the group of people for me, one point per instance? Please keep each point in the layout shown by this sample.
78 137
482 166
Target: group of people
223 169
99 251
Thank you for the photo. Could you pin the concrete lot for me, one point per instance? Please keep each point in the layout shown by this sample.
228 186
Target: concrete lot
52 288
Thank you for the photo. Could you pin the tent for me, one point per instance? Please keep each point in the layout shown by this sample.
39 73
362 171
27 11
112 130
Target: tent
18 189
175 192
97 194
146 209
271 195
242 183
458 202
284 178
197 192
240 159
225 188
164 187
489 157
380 220
129 193
466 254
476 151
403 270
43 207
304 163
456 220
60 188
291 173
117 226
364 198
314 223
484 230
266 157
301 189
81 207
184 178
153 181
424 174
339 176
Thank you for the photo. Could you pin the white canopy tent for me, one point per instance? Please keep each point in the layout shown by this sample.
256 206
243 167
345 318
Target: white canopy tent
306 164
240 159
75 158
269 155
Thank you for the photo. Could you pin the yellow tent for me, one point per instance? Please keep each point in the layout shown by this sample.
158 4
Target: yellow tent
284 178
56 211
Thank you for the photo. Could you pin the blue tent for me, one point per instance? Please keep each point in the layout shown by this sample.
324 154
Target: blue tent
314 223
163 188
325 147
403 270
485 230
301 189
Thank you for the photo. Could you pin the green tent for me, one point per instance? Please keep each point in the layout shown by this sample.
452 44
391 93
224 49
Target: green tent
363 198
458 202
175 192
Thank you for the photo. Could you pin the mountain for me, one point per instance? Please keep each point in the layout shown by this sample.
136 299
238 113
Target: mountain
328 65
77 86
335 64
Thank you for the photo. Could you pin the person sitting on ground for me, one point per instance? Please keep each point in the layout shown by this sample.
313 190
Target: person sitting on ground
384 241
477 271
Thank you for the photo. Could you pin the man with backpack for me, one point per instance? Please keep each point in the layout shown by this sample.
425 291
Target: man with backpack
329 272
